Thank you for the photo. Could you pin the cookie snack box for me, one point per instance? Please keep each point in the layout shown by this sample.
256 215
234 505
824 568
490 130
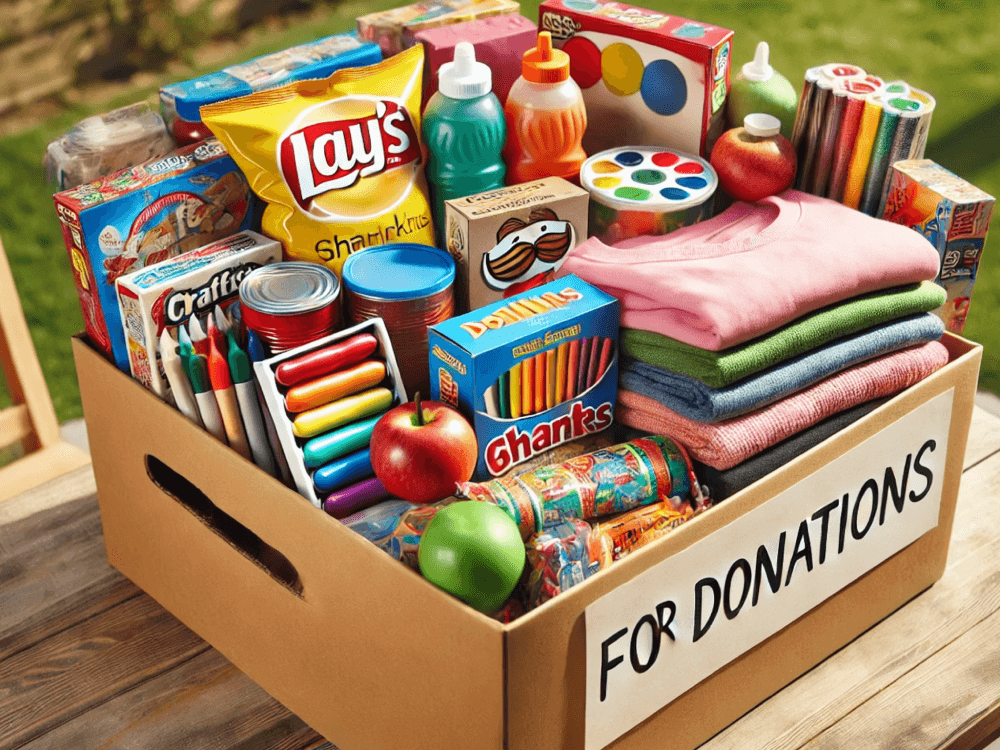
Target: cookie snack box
661 79
142 215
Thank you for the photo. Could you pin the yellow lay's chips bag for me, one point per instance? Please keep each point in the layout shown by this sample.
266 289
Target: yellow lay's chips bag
338 161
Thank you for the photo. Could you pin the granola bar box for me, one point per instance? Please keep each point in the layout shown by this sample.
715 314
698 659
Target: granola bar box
142 215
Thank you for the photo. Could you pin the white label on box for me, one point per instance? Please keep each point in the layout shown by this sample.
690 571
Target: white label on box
660 634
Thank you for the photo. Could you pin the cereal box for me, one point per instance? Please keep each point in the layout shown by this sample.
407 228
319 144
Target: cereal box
165 295
660 79
143 215
512 239
954 216
530 372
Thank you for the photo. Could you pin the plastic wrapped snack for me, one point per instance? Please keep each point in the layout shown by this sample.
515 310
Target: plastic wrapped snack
612 480
104 144
630 531
395 526
561 556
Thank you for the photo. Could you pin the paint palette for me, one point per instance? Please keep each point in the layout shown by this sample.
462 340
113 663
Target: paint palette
642 190
324 399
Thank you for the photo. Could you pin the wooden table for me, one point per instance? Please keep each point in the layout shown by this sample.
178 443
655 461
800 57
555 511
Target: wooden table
89 661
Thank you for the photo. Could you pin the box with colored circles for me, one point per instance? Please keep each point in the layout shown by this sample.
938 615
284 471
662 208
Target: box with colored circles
324 399
660 79
954 216
530 372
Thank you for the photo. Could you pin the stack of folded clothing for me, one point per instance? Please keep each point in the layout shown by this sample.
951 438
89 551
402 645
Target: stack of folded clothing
783 318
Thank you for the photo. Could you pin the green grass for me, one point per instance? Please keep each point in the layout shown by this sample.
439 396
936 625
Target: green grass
947 48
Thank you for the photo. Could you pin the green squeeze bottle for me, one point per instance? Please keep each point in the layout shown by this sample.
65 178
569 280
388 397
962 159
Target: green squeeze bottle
464 129
760 88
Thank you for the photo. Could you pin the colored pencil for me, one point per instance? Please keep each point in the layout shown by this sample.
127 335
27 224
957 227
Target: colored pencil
515 391
246 395
504 388
528 387
595 356
225 394
180 386
861 154
605 358
208 406
850 122
539 382
257 353
572 366
562 359
902 142
550 378
492 402
197 334
810 141
581 372
804 107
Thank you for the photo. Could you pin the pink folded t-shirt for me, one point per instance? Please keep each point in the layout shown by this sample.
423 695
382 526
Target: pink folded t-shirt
723 445
752 268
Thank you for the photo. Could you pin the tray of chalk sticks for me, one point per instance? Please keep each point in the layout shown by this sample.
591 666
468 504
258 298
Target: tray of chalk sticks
325 398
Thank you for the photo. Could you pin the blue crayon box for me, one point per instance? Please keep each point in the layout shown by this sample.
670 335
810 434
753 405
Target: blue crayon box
530 372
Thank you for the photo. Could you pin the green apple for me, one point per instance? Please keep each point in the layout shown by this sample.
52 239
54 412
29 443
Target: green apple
473 550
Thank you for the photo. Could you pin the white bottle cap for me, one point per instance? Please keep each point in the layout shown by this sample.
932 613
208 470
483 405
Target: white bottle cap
465 78
761 125
759 69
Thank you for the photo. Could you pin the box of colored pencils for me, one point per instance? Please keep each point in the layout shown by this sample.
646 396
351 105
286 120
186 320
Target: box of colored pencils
530 372
954 216
325 398
166 295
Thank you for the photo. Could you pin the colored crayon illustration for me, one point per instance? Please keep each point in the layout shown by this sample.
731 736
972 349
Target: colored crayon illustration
549 378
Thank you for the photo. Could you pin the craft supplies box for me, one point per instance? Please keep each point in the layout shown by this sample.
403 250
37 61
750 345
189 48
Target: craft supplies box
373 656
509 368
660 79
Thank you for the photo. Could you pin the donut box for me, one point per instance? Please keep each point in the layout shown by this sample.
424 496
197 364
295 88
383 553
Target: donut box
661 79
324 398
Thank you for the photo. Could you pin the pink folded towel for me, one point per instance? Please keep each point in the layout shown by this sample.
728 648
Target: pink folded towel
752 268
725 444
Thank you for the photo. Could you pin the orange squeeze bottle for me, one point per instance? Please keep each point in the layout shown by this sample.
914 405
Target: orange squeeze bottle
546 118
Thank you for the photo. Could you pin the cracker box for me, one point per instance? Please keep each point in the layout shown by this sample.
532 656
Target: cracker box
509 240
393 30
530 372
954 216
166 295
660 79
141 216
500 43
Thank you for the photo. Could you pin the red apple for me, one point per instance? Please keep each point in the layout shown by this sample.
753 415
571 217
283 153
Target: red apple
420 451
752 166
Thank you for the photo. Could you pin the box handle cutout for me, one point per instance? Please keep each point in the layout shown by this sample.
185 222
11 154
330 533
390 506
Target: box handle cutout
238 536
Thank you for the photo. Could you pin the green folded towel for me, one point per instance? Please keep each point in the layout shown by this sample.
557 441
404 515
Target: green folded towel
722 368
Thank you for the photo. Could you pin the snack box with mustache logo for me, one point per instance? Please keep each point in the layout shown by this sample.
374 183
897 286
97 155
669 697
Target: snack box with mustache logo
510 240
530 372
142 215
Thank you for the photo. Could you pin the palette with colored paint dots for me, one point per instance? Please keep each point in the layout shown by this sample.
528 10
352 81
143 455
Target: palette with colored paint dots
643 190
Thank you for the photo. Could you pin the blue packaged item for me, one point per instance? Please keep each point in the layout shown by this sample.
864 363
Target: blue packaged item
137 217
180 103
530 372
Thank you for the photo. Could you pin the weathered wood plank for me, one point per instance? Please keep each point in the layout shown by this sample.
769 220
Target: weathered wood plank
205 703
86 665
951 700
984 437
968 593
54 574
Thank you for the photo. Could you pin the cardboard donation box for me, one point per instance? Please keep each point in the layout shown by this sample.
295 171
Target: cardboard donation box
663 649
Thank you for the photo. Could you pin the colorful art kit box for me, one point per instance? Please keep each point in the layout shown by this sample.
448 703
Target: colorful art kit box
169 293
954 216
530 372
142 215
660 79
509 240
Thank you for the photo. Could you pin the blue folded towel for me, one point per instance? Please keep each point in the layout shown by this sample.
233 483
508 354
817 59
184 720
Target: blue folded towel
693 399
